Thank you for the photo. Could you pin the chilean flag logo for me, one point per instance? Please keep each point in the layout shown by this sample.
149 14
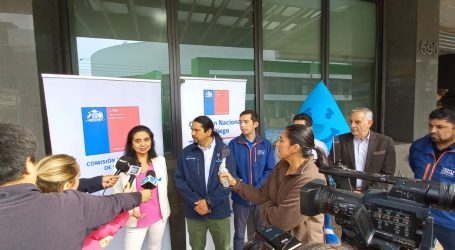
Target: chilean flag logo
106 128
216 102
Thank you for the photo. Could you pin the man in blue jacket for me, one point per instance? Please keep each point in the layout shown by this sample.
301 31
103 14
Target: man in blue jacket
196 178
432 157
254 161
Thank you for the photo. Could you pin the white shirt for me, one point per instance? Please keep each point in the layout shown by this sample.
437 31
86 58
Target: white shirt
208 155
360 155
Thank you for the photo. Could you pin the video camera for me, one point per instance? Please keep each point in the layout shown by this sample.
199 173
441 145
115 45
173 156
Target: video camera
398 219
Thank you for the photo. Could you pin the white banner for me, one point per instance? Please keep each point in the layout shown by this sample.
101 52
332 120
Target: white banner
220 99
89 117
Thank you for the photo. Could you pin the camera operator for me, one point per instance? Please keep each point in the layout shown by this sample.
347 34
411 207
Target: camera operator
432 157
280 193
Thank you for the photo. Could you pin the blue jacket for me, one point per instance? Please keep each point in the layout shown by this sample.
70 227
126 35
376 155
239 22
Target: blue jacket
421 157
253 165
190 181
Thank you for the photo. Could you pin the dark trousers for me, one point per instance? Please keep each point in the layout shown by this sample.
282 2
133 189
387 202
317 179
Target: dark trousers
445 236
241 213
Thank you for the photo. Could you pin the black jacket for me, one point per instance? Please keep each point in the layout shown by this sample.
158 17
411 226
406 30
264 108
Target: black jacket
90 185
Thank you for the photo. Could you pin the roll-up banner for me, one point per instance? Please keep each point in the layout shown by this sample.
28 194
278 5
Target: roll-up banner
89 117
220 99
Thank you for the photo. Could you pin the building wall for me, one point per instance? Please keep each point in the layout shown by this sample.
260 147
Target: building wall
411 66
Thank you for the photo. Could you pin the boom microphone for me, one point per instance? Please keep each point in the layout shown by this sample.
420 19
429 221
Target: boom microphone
150 181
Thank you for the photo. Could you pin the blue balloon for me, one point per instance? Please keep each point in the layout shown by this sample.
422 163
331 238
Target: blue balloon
328 120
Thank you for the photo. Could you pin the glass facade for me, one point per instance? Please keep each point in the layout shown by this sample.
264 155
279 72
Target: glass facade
291 59
216 40
123 39
352 54
221 39
19 91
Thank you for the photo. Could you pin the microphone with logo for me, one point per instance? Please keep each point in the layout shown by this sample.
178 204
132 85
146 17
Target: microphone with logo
224 154
122 165
135 168
149 181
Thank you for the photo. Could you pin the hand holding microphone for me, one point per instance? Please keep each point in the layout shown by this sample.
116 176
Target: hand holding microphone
146 195
122 166
129 165
223 170
109 180
231 181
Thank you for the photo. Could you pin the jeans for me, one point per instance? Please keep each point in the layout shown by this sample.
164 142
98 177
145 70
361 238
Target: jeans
241 213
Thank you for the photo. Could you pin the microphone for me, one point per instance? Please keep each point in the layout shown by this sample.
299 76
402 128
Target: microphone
135 168
336 147
122 165
149 181
223 169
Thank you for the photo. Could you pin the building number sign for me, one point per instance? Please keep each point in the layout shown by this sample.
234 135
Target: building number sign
428 48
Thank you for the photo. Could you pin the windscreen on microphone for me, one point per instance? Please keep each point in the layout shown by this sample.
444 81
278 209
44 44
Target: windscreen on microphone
150 181
151 172
123 164
225 152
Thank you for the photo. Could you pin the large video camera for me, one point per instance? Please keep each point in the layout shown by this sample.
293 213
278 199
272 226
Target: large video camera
398 219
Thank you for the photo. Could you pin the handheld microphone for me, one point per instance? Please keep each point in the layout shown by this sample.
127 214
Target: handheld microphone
336 150
149 181
122 165
135 168
223 169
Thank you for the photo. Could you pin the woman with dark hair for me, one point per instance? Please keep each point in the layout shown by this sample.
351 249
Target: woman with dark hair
149 218
280 193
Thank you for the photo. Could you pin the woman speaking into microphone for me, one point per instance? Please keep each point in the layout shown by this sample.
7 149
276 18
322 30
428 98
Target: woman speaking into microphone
150 218
280 193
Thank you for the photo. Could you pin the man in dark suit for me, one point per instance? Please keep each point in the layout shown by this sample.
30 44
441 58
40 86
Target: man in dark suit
364 150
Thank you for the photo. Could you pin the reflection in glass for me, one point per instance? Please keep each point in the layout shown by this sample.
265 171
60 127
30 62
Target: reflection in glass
216 40
123 39
19 101
352 68
291 38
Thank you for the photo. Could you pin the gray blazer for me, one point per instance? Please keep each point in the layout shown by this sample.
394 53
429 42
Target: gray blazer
380 157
